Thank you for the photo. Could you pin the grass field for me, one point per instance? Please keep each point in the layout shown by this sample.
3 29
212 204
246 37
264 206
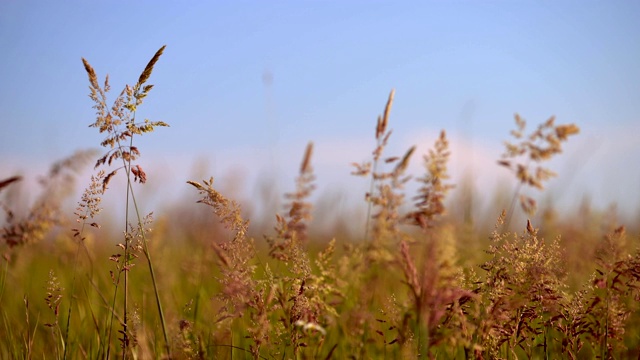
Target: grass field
417 282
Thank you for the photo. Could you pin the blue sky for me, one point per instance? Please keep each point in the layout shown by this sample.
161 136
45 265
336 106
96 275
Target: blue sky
465 66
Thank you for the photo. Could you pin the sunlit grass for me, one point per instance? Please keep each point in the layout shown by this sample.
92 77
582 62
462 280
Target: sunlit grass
414 281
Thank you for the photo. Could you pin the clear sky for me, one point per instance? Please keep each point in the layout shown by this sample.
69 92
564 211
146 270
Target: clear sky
465 66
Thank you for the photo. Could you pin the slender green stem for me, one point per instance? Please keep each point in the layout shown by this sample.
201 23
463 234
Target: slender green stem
73 281
73 285
3 279
127 251
371 188
113 309
131 195
512 206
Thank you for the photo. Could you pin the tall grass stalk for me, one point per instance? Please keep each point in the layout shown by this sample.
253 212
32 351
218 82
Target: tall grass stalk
538 146
382 136
123 112
87 209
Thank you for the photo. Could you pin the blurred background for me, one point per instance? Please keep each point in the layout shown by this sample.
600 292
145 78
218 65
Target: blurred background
246 85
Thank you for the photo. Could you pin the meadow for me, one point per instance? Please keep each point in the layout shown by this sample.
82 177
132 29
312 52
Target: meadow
418 281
